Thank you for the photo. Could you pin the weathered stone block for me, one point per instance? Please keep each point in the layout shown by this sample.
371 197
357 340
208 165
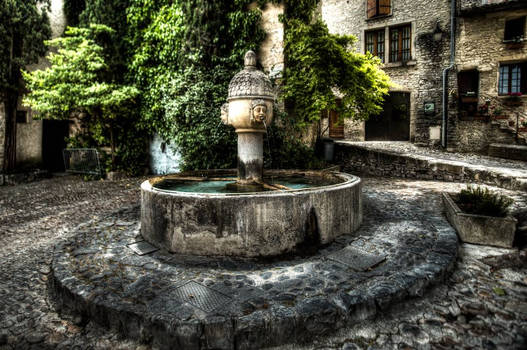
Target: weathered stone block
250 224
480 229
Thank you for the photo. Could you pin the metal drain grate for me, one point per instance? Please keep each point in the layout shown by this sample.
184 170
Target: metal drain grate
142 248
357 259
201 297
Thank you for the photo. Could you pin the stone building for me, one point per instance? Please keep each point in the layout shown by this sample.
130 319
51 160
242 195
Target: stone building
38 141
411 37
491 62
413 40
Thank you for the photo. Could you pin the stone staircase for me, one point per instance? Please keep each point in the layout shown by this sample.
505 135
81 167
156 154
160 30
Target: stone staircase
510 131
509 126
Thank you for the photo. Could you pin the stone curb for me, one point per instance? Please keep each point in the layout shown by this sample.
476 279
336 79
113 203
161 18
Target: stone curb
357 158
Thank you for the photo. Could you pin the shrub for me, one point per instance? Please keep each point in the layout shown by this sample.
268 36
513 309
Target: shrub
481 201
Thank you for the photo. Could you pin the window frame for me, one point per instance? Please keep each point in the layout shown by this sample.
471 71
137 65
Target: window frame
509 38
400 40
375 43
521 81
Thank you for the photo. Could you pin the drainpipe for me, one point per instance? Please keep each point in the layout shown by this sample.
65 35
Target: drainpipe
444 124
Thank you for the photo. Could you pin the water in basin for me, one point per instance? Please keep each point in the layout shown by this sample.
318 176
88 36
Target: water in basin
220 186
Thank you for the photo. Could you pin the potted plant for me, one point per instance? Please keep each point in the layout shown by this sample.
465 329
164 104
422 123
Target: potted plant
497 113
481 216
523 126
513 98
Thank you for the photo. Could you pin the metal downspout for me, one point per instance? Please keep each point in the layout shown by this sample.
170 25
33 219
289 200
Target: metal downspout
444 124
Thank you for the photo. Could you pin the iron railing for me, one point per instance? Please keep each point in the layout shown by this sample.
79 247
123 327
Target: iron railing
521 117
82 161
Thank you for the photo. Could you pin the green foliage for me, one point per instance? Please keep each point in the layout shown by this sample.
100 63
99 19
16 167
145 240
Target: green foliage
185 53
77 82
482 201
282 150
23 29
320 64
72 11
111 13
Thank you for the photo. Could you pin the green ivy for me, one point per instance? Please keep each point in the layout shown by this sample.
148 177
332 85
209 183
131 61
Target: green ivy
181 56
320 64
186 52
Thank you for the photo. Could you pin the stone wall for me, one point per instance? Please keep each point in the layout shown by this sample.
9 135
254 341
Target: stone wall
476 136
29 135
29 140
471 6
480 47
271 53
421 76
356 159
2 138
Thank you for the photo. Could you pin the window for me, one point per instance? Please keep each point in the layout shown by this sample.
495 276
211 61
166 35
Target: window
513 79
21 117
378 8
375 43
515 29
400 44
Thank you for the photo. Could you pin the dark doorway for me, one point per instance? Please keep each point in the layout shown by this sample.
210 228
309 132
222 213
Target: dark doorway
468 86
393 123
53 142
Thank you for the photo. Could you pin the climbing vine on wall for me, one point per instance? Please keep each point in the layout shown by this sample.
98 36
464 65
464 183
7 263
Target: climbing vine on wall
181 55
321 66
186 52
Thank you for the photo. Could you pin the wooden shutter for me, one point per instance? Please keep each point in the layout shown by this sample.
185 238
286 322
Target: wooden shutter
372 8
384 7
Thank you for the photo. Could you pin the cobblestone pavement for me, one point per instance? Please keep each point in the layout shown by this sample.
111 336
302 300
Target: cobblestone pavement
473 159
483 305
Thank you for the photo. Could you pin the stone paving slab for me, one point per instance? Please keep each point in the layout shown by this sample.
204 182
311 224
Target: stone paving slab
464 313
400 250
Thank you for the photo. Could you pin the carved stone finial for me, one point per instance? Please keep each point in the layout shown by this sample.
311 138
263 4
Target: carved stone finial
250 59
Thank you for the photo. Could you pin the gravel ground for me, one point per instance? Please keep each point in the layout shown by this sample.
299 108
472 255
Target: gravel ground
483 304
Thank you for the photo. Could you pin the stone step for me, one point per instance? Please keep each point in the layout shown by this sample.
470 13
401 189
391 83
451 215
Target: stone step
500 150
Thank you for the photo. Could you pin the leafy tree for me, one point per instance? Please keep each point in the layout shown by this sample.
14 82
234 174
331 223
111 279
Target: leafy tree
77 82
111 13
24 25
320 65
72 10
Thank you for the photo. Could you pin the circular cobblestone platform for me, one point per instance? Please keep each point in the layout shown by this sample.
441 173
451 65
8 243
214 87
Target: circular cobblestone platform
192 302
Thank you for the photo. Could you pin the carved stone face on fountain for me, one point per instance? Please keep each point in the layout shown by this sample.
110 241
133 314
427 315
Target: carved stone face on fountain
259 111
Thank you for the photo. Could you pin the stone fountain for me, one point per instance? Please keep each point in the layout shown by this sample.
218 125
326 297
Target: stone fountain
253 214
200 292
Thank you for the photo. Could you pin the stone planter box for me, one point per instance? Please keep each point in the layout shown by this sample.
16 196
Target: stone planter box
480 229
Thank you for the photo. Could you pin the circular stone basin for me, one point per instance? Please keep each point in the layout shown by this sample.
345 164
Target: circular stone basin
318 207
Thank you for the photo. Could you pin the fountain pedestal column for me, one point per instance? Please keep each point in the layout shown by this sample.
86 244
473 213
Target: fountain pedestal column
249 109
250 157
